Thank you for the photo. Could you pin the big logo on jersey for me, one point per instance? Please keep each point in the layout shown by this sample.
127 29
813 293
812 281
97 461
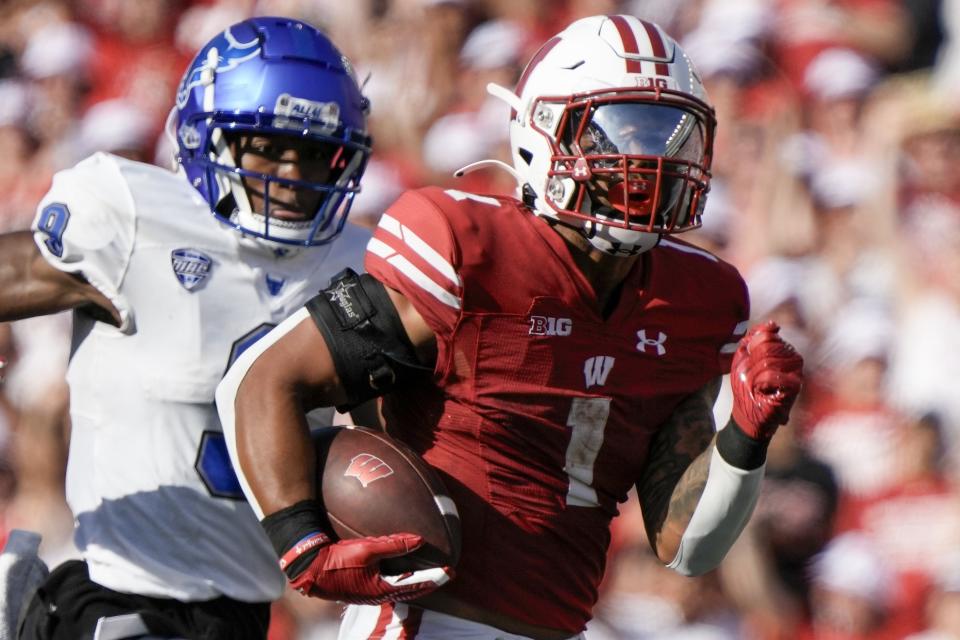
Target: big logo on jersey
190 266
367 468
547 326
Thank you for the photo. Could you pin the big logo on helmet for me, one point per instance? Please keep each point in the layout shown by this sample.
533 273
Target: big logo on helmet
367 468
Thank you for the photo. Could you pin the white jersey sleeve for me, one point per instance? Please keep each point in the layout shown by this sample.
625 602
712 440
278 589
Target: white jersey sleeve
86 225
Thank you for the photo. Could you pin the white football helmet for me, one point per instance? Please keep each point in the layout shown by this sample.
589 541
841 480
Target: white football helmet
611 133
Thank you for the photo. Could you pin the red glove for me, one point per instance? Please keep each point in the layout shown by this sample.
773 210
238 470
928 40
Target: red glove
349 570
766 376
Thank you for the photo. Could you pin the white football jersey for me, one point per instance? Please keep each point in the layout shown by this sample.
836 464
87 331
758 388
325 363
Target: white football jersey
157 506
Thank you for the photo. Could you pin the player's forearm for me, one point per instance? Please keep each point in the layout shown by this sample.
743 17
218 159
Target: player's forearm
273 443
29 286
261 424
766 375
695 500
23 292
676 470
693 527
735 468
262 402
727 495
681 506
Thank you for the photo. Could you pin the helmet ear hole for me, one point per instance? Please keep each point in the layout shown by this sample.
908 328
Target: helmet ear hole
529 196
525 155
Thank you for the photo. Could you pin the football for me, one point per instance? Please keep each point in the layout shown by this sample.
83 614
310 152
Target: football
374 485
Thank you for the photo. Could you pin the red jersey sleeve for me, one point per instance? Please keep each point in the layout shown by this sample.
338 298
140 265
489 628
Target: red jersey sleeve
738 297
694 278
414 251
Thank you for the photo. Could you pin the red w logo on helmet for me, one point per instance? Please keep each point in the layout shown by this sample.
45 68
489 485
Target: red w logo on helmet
367 467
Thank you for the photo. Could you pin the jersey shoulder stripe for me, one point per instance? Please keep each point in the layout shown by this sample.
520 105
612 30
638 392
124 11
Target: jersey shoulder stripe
416 276
738 332
421 247
413 247
707 281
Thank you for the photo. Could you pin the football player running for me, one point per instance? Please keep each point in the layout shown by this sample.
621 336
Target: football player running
545 354
270 129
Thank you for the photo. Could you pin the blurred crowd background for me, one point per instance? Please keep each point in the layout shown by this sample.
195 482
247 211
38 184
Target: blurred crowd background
836 192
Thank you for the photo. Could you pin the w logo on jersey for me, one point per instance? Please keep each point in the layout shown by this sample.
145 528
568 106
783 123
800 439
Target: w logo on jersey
596 370
190 266
367 468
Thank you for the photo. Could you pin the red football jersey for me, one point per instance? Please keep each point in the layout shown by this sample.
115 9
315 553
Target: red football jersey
543 409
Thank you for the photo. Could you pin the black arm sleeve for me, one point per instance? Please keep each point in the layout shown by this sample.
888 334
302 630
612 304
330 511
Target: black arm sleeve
370 347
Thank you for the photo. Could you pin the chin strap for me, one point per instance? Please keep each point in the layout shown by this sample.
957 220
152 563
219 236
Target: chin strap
226 182
169 131
589 232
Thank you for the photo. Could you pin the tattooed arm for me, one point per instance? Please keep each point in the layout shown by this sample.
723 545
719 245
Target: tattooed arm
698 491
676 470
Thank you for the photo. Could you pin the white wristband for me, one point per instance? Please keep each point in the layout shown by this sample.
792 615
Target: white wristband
725 506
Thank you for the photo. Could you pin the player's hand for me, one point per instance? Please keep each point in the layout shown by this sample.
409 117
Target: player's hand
766 376
349 571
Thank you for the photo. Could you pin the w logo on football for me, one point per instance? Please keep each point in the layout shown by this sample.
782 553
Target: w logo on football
367 468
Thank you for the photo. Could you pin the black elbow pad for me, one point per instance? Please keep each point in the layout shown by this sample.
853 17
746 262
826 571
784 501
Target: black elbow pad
370 347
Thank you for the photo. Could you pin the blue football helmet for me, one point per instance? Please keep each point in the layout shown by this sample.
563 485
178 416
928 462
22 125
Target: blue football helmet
271 76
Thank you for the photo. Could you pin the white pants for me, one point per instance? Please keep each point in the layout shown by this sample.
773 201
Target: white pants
403 622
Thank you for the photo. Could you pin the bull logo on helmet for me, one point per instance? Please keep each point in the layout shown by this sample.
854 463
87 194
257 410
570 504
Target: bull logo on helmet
231 53
367 468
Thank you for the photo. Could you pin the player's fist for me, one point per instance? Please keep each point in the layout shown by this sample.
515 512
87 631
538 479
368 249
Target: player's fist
766 376
349 571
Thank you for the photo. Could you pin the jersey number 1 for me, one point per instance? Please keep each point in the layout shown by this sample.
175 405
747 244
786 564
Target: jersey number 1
587 421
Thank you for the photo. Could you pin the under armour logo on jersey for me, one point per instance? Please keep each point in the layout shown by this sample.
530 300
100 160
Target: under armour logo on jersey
656 344
596 370
274 284
367 468
191 267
